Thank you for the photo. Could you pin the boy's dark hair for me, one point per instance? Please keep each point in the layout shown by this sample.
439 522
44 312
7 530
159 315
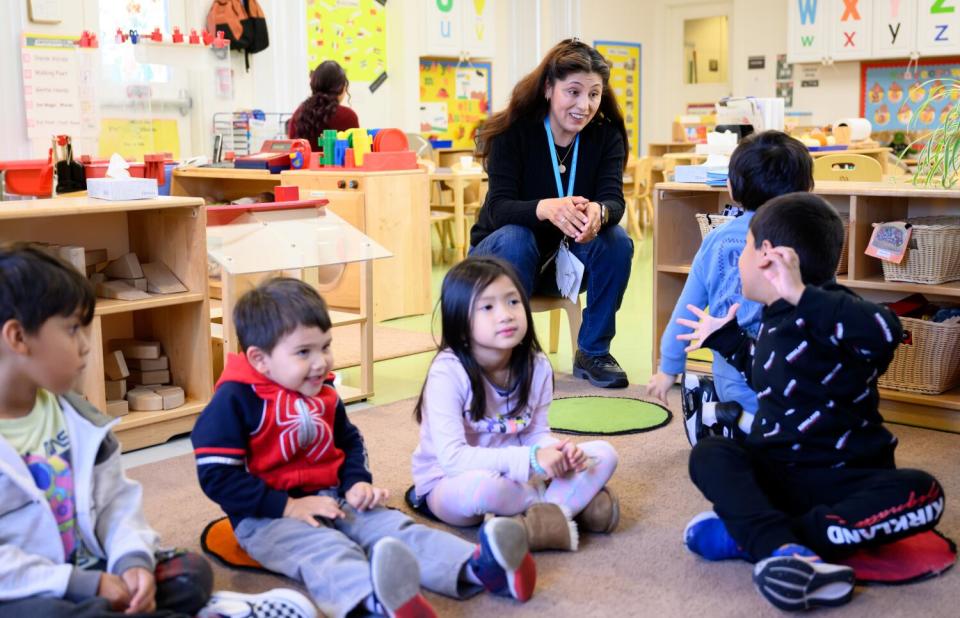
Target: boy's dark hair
275 308
35 286
765 165
460 288
810 226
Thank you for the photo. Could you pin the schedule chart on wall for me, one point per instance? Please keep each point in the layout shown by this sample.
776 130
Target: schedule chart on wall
624 59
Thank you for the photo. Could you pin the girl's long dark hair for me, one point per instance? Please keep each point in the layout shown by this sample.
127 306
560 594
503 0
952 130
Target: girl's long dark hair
327 83
528 99
460 287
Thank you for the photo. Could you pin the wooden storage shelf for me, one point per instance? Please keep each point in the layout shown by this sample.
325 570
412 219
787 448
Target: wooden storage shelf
677 239
171 230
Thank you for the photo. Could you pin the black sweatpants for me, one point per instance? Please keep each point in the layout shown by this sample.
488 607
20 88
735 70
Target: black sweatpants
833 511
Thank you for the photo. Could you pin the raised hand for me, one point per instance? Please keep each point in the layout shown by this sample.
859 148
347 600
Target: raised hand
781 267
704 327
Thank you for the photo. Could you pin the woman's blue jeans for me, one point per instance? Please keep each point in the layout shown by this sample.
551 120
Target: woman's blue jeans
606 260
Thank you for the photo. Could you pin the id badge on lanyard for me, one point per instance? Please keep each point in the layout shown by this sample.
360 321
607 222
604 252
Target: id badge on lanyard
569 268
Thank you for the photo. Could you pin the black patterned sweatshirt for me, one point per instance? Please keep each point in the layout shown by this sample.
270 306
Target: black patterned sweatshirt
814 368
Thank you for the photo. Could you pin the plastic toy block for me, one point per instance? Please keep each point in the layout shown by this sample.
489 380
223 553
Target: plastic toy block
116 389
134 37
160 279
148 364
173 396
194 37
117 407
286 194
127 266
134 348
156 36
120 290
144 400
220 42
160 376
207 38
121 37
115 367
177 35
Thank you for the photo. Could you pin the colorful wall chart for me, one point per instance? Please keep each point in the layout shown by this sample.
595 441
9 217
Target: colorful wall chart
624 59
352 32
889 100
454 99
59 94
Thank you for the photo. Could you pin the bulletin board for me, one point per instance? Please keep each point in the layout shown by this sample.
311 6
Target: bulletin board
890 100
624 59
352 32
454 99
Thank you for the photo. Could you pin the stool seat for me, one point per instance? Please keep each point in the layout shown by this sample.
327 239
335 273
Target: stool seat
556 304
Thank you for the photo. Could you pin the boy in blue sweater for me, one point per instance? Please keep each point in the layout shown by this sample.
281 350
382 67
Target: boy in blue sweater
763 166
276 451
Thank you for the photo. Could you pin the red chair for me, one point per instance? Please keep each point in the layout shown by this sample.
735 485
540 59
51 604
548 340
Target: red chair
27 178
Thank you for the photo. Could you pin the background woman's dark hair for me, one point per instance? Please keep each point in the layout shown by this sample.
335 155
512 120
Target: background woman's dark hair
460 287
529 95
327 82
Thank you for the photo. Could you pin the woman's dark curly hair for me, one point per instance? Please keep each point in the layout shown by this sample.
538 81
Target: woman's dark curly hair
327 82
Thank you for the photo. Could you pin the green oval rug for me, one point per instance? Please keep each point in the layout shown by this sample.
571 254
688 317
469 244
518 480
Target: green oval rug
605 416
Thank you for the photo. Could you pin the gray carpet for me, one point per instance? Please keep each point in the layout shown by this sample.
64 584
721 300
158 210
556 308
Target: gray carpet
640 570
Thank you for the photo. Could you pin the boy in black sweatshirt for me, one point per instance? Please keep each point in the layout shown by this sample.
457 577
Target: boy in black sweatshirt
815 474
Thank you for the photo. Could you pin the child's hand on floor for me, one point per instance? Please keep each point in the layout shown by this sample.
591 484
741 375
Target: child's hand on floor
576 458
113 589
553 461
659 385
308 508
364 496
704 327
143 590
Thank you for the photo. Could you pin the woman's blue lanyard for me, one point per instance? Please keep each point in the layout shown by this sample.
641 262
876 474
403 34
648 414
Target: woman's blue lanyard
556 164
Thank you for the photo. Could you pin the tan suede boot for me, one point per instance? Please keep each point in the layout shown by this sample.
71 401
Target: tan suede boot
548 527
602 514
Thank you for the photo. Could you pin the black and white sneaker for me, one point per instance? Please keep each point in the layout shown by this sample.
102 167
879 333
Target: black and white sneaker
696 390
801 580
276 603
603 371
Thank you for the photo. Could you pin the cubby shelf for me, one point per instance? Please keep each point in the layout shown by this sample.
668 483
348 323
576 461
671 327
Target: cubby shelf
677 238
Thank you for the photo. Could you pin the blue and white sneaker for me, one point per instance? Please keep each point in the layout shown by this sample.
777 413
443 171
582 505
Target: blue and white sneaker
795 578
502 560
276 603
707 536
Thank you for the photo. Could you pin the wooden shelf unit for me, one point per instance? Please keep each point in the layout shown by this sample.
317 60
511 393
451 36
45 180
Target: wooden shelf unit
167 229
677 239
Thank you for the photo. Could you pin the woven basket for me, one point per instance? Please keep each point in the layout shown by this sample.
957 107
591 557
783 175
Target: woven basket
929 363
936 256
709 222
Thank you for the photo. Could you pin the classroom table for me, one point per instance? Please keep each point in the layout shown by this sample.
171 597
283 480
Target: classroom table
458 181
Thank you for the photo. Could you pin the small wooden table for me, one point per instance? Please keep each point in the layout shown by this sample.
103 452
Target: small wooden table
458 181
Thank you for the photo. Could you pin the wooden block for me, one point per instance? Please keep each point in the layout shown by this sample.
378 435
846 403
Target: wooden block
126 266
161 280
148 364
115 367
74 255
120 290
95 256
116 389
173 396
136 349
96 268
140 284
144 400
98 278
160 376
117 407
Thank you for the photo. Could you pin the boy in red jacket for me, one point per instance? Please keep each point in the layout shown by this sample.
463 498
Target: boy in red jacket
276 451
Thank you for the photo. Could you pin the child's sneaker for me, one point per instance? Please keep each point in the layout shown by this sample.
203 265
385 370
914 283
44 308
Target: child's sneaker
395 574
795 578
695 390
707 536
276 603
502 561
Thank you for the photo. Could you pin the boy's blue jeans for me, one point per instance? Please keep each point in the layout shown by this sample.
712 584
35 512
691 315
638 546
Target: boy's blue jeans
606 259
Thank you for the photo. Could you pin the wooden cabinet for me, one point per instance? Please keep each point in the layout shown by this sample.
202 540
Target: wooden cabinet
170 230
677 239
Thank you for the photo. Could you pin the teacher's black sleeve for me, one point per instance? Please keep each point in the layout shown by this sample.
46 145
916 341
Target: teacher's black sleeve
610 175
505 170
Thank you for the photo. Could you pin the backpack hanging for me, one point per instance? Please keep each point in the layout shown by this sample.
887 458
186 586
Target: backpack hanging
242 22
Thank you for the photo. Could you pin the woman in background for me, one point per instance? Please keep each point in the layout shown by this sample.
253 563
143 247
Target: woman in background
322 109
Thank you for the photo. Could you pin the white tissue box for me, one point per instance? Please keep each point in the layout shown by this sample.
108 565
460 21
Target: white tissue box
118 189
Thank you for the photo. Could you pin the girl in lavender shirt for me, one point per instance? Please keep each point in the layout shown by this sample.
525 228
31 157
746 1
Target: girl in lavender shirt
485 445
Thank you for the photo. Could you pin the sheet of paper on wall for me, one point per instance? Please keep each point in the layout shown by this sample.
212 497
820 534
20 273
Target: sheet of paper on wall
470 84
569 273
433 117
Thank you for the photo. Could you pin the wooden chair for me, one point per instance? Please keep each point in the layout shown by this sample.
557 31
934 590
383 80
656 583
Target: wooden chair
554 305
474 195
637 195
847 167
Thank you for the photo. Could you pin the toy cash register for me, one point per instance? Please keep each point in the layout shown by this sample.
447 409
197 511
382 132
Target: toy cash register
277 155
